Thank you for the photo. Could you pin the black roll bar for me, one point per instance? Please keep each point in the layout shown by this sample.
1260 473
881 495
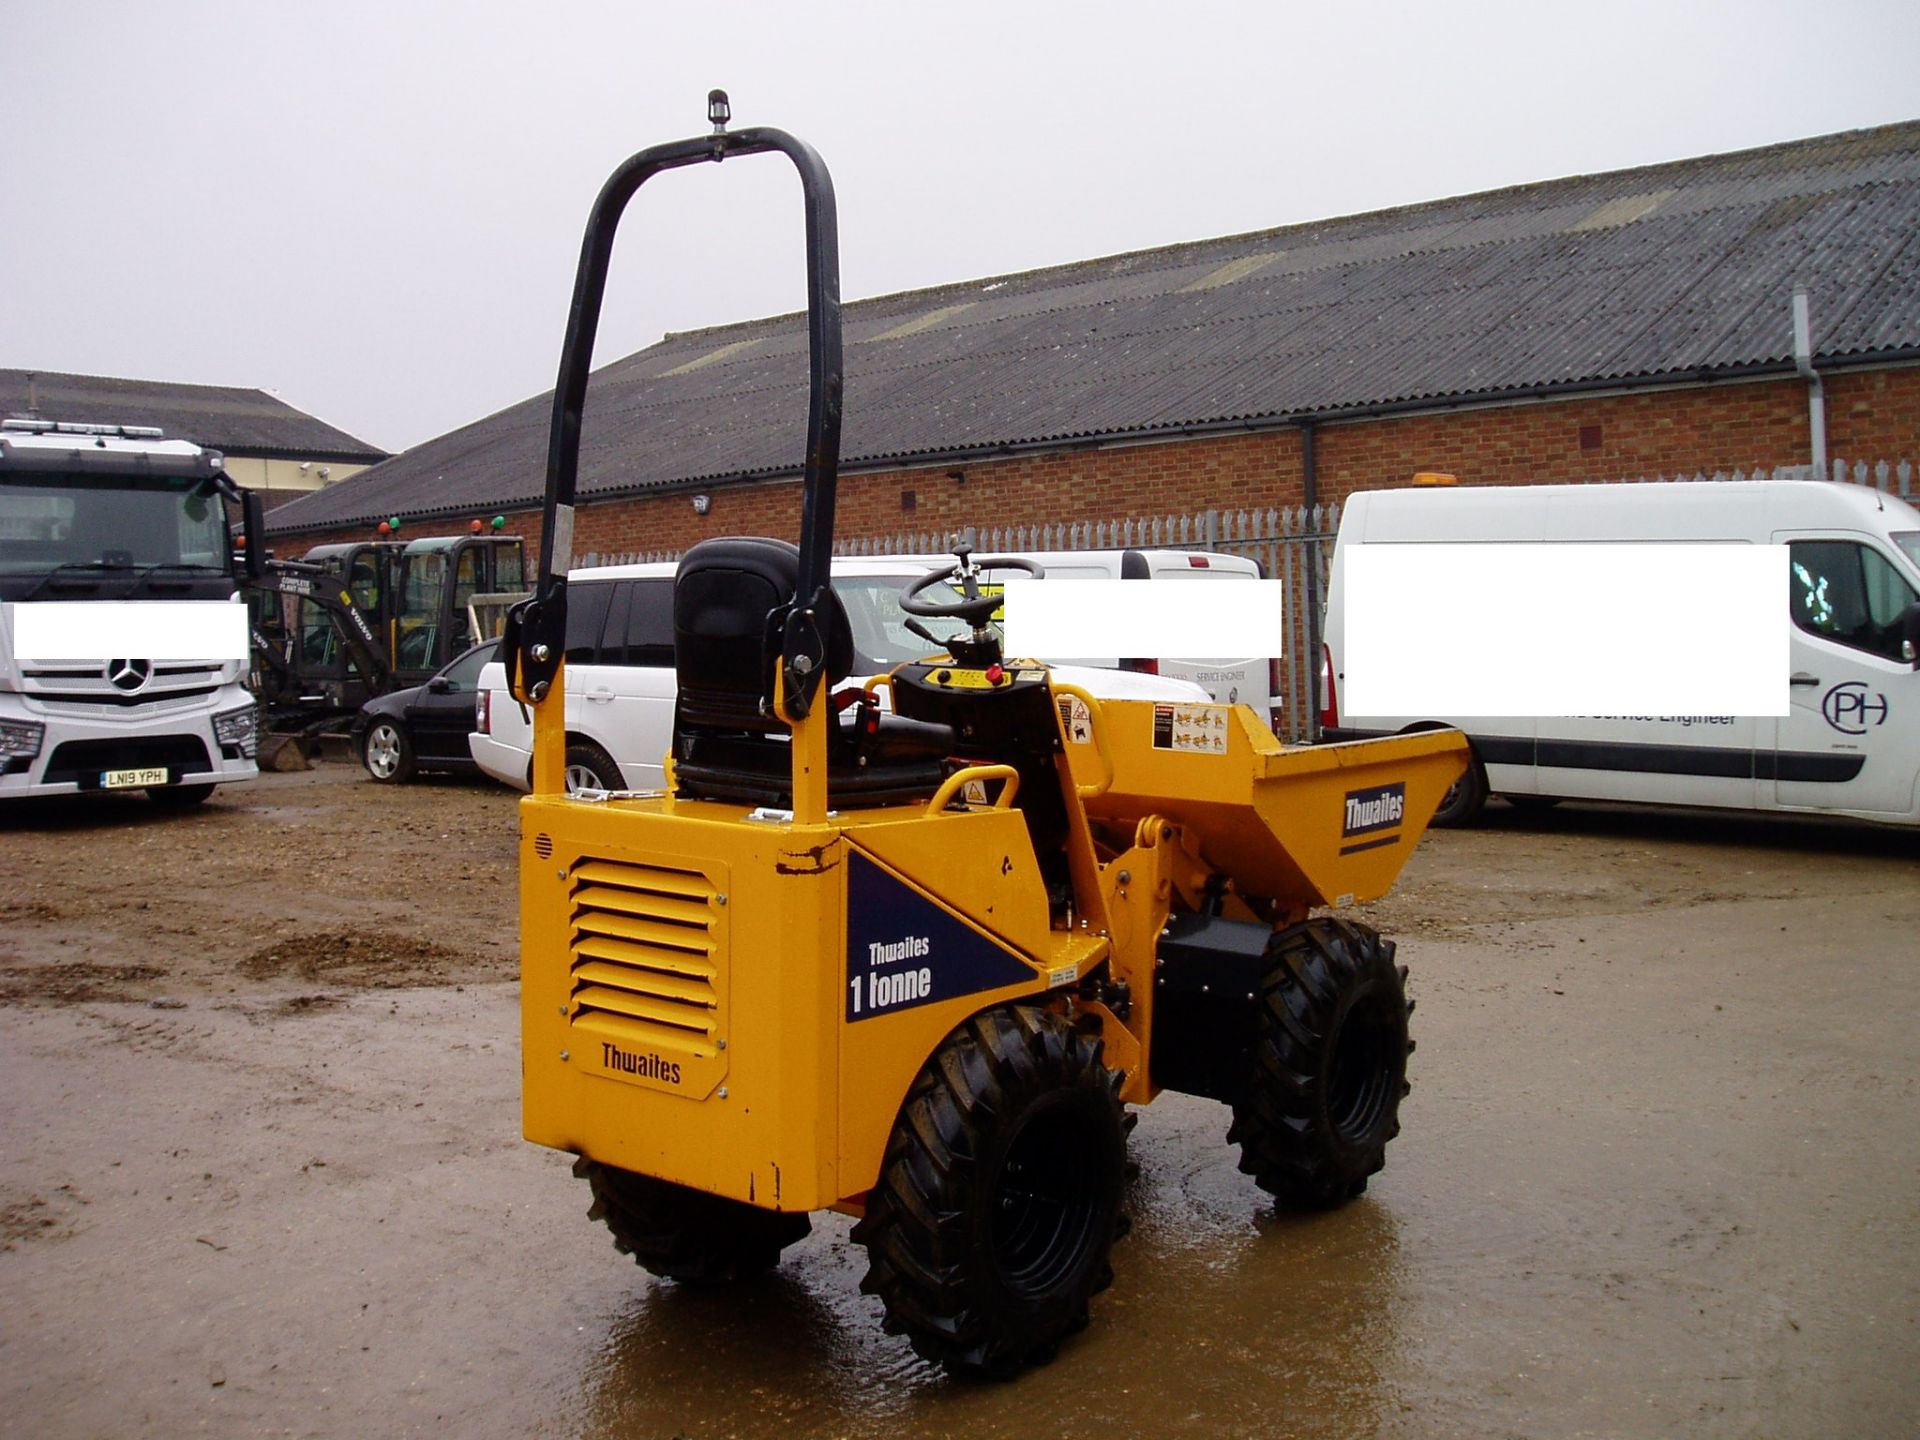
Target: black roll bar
536 635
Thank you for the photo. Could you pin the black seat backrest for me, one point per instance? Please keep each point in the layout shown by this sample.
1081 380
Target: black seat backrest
726 647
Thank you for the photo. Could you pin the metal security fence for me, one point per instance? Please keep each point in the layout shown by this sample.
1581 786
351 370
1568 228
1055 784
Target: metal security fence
1295 547
1895 478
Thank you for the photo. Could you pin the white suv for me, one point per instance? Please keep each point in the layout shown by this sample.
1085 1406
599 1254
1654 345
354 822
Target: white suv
620 681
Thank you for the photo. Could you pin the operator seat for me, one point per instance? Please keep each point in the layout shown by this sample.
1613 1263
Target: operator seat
728 744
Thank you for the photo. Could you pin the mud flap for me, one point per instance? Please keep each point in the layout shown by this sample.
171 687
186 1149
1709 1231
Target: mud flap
1205 1004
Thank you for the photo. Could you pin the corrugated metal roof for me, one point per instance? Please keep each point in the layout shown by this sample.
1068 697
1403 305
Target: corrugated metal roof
227 418
1631 277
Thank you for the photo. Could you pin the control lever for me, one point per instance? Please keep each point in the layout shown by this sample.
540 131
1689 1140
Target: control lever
924 633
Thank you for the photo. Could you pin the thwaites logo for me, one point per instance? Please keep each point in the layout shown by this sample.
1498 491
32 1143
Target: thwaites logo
1851 709
892 980
904 950
647 1067
1373 817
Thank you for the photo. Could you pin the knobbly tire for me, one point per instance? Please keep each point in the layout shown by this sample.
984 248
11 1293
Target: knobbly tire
999 1197
687 1235
1328 1066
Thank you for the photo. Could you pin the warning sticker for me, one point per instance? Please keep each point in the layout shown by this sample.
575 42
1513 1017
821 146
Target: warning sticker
1192 729
1076 719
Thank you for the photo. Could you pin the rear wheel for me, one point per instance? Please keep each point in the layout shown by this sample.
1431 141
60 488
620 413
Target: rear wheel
683 1234
591 768
1329 1064
388 753
1000 1195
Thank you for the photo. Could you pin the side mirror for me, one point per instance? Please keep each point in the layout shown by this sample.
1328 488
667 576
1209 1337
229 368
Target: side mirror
253 525
1909 627
440 685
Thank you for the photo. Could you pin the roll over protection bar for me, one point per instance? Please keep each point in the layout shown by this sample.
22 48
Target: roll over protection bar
535 637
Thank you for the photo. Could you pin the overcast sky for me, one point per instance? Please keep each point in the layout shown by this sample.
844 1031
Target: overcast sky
374 209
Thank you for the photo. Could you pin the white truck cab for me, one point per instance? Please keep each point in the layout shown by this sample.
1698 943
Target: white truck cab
1850 744
100 513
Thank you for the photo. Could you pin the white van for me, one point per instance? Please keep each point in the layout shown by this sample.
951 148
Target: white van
1851 744
620 680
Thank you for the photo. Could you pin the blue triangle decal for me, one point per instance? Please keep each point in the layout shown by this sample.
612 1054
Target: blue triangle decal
903 950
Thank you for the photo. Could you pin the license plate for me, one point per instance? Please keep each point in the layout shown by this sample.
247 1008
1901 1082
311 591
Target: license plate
121 779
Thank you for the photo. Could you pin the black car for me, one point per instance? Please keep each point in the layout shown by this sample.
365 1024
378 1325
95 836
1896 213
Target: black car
424 728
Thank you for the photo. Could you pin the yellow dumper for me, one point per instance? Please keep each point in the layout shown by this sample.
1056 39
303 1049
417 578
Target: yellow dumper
910 962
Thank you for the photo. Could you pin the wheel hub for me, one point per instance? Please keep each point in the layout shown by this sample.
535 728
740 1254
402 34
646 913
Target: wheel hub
1044 1220
1359 1078
383 751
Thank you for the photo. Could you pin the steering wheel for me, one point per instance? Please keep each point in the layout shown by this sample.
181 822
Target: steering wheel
975 608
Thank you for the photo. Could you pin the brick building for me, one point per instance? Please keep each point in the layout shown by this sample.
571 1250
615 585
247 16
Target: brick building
269 446
1589 328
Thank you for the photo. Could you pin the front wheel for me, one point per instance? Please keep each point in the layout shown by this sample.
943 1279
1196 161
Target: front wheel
687 1235
1000 1194
388 753
1328 1068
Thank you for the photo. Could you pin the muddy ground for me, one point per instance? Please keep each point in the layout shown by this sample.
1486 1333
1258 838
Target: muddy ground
262 1174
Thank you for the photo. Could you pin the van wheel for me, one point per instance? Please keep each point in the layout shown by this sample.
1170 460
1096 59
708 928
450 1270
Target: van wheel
1329 1064
999 1198
1464 800
591 768
687 1235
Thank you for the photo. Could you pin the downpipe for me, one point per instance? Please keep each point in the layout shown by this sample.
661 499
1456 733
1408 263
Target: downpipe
1816 391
